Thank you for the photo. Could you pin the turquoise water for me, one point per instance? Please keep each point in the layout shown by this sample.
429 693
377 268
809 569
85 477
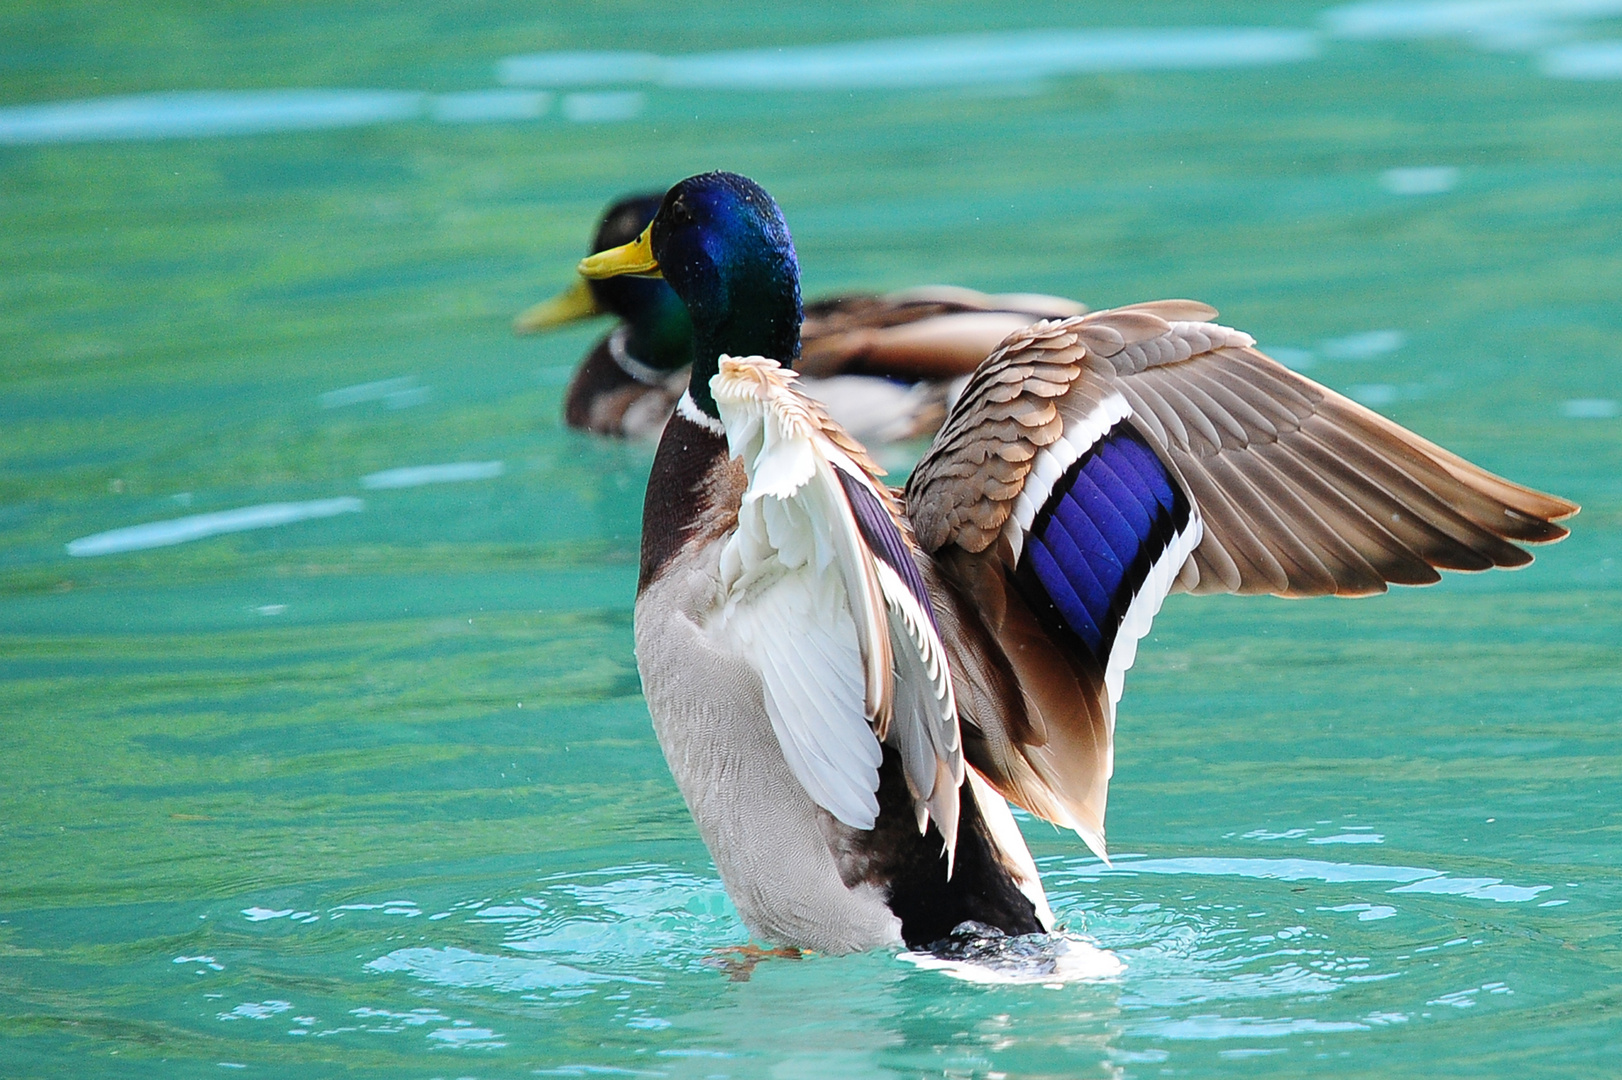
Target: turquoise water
353 777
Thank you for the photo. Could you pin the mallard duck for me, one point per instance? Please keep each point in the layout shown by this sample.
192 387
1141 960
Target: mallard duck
849 686
886 366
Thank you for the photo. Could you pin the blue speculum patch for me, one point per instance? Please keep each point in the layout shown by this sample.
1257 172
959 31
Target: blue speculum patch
1109 518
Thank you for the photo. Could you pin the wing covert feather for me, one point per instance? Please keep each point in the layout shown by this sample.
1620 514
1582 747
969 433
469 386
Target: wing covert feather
1293 489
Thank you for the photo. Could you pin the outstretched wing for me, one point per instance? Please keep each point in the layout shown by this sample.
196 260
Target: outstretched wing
824 596
1092 465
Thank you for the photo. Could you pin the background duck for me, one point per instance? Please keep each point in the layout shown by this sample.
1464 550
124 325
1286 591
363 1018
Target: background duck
886 366
847 691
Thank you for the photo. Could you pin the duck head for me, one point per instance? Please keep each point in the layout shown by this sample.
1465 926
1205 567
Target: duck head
721 243
659 331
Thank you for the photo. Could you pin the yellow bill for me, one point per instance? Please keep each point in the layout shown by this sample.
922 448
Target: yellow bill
570 305
635 258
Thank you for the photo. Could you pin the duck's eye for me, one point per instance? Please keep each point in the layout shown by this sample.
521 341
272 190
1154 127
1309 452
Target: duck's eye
680 213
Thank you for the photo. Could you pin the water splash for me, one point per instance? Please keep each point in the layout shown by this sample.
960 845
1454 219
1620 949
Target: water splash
977 953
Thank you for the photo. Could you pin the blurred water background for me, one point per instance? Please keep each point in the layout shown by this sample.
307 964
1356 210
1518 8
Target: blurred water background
322 751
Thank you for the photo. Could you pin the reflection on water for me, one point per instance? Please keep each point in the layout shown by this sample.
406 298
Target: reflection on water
611 932
397 393
1588 60
484 106
1415 878
198 526
566 960
418 475
1590 408
1364 346
1497 24
181 115
256 1010
958 60
1420 179
459 967
196 114
596 108
1349 838
1013 57
1256 1027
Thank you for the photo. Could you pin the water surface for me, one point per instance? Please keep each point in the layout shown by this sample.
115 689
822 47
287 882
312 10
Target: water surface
322 751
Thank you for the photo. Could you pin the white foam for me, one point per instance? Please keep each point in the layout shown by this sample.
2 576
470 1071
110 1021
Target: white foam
952 60
198 526
418 475
1073 959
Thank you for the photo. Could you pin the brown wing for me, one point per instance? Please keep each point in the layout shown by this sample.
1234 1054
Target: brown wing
1304 492
1283 485
934 332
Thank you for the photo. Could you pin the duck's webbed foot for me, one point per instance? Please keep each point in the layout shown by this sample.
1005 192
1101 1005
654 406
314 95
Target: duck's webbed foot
738 961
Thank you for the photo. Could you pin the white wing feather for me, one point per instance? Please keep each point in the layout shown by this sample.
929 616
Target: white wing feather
839 640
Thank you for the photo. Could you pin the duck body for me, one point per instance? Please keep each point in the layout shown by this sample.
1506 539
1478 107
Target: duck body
850 689
797 874
887 366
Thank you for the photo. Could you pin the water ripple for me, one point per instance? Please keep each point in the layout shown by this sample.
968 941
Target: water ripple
451 966
1410 879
